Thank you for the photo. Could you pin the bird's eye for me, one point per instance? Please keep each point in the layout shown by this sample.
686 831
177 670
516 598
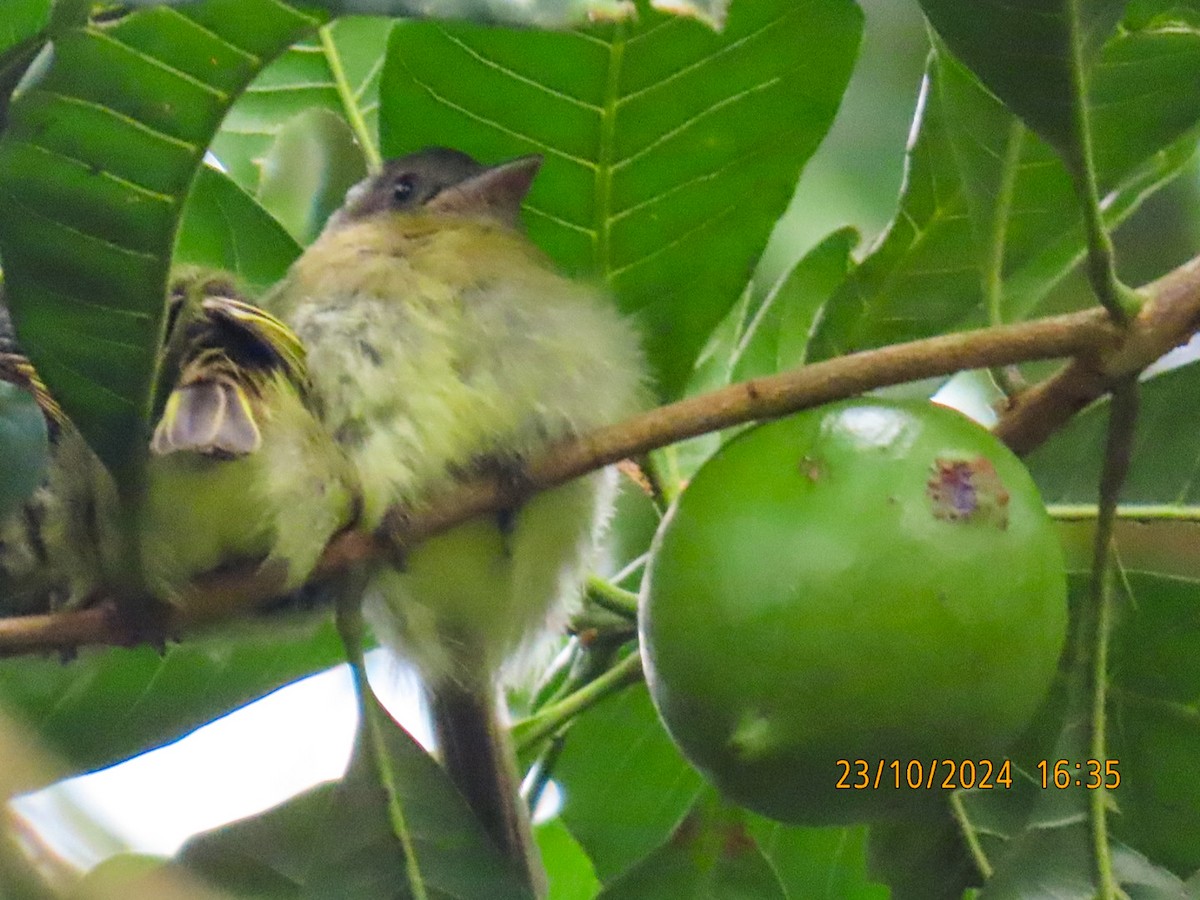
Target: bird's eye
403 188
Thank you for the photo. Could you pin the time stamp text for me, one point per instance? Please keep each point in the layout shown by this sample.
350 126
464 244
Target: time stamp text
982 774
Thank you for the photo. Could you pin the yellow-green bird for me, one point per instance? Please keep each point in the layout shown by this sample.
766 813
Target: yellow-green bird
239 473
54 544
443 344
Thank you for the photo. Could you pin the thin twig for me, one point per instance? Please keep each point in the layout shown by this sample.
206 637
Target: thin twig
1118 451
970 835
61 631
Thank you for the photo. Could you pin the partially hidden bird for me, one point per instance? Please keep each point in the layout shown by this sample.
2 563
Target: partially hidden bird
239 473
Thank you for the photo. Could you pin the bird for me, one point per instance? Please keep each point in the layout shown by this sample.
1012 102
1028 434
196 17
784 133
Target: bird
238 473
443 344
53 543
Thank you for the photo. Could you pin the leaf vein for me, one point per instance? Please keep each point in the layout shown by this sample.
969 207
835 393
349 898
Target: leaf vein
253 58
121 117
674 242
102 307
78 232
652 30
502 128
709 111
517 76
161 64
54 152
683 185
707 60
557 220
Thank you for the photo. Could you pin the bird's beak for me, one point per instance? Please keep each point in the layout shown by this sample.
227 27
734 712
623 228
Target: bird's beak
498 191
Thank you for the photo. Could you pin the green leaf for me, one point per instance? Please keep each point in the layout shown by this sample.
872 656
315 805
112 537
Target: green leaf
1144 92
1007 180
1156 720
1022 202
1033 55
1050 861
93 168
710 856
225 228
818 863
1165 464
635 520
1055 861
308 170
108 705
1039 841
995 817
543 13
337 839
776 337
625 784
1142 880
21 39
920 277
1158 530
1152 734
267 856
337 71
670 150
921 860
568 870
21 20
1053 76
979 192
23 446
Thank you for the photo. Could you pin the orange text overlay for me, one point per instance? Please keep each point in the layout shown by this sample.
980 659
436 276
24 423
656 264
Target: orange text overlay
923 775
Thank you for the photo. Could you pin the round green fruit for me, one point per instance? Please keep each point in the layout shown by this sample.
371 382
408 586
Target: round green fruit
871 580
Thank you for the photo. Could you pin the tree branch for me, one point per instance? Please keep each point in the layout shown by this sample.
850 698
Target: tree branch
1168 318
1101 354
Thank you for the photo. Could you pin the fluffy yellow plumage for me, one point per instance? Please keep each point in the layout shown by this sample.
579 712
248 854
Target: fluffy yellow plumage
241 471
442 343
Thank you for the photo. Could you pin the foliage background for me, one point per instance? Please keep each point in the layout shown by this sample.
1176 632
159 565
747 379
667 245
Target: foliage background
672 153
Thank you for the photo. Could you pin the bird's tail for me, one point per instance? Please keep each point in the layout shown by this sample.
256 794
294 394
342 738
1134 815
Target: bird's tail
478 756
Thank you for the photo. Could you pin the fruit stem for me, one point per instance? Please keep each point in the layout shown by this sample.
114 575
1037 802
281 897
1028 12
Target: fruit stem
528 732
608 596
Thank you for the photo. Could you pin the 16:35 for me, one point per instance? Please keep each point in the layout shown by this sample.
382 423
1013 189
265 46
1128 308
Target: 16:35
1089 773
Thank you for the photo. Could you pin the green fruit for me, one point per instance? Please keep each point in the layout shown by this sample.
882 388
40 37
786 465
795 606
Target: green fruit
872 581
